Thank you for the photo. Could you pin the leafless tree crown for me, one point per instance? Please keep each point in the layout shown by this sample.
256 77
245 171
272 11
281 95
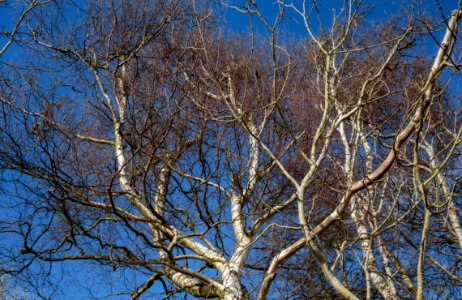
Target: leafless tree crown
171 156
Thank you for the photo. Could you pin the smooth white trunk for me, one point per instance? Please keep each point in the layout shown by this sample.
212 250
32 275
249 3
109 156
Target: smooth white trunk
385 287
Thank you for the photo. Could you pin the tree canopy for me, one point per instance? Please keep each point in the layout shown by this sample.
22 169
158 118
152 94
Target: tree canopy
156 149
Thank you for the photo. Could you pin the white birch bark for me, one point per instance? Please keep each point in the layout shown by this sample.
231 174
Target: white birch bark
191 285
359 206
452 209
233 288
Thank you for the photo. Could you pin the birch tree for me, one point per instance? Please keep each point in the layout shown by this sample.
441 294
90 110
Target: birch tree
147 138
